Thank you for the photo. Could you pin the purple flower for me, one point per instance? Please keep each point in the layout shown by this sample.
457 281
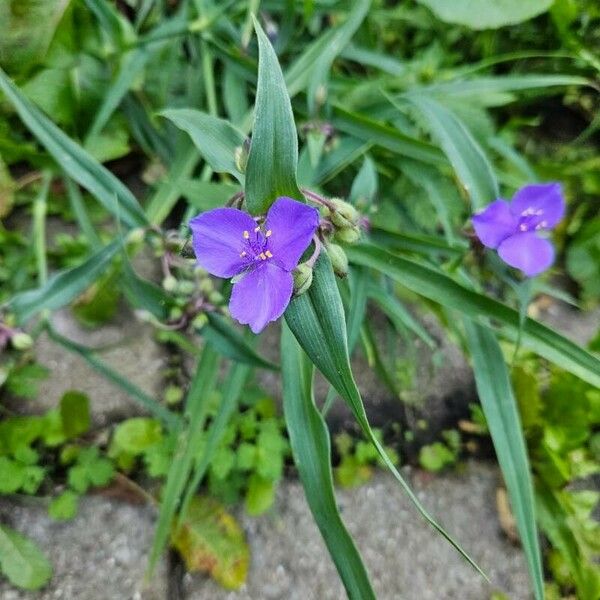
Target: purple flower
229 243
512 227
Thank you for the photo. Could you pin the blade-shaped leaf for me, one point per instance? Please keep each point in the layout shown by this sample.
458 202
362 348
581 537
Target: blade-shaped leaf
317 320
500 409
273 159
310 443
186 451
74 160
440 288
63 286
216 139
231 343
464 153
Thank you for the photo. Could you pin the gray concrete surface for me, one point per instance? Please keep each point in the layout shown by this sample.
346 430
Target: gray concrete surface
100 555
405 557
126 345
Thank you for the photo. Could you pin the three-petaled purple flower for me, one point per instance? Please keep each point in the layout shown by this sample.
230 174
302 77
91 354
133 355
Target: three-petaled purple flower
512 227
230 243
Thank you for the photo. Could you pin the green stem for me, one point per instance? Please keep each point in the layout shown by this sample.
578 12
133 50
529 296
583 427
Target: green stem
40 205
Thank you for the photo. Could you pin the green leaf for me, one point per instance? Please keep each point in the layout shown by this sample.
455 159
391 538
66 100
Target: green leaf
12 475
375 132
64 507
227 340
273 159
464 153
440 288
28 27
63 286
502 416
311 449
317 320
235 381
216 139
260 495
22 561
189 443
436 456
75 413
134 436
338 40
487 14
211 541
75 161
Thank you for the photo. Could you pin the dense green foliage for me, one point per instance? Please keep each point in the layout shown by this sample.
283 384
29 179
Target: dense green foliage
121 120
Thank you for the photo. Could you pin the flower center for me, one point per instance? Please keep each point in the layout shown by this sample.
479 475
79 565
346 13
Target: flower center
255 245
531 219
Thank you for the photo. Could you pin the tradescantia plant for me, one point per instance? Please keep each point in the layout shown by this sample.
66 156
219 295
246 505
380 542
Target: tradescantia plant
283 245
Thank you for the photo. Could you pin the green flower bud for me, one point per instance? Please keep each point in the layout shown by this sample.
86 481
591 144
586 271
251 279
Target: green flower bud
169 283
344 215
339 260
175 313
303 276
215 298
136 235
186 288
21 341
199 321
206 286
348 236
241 155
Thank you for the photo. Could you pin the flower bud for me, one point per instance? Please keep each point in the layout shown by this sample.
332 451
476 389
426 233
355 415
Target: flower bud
339 260
215 298
241 155
344 215
303 276
348 236
206 286
187 288
21 341
169 283
199 321
136 235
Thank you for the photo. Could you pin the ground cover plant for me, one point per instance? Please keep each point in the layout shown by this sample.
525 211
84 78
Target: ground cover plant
307 163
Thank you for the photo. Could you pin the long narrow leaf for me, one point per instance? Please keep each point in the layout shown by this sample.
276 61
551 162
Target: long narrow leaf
317 320
74 160
440 288
188 445
500 409
273 158
310 443
63 286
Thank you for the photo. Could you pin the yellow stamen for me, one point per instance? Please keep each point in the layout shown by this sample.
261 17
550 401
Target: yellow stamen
268 253
256 229
242 254
268 233
262 256
246 235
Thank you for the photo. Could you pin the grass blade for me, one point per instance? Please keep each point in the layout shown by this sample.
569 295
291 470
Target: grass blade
74 160
317 320
500 409
440 288
310 443
273 159
62 287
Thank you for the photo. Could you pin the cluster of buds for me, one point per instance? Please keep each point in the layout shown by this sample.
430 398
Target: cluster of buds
17 339
340 223
191 290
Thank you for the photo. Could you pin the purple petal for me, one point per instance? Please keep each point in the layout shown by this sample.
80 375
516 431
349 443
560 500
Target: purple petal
218 240
261 296
528 252
543 202
495 223
292 225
